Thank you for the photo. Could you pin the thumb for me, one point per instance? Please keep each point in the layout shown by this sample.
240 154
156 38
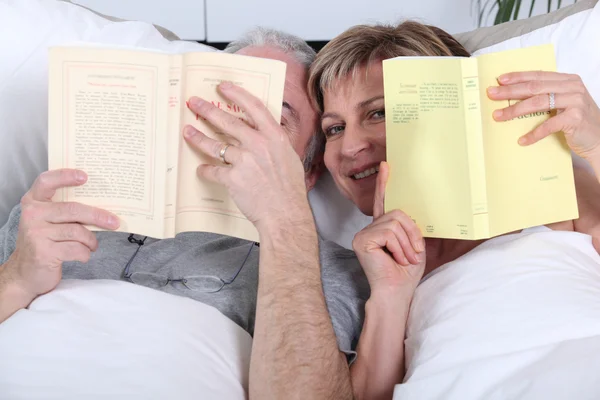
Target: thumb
378 199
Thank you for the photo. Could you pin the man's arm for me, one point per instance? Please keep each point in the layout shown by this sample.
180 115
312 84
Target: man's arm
12 296
295 352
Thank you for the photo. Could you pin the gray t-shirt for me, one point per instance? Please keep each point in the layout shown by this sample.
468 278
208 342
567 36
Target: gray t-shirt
198 253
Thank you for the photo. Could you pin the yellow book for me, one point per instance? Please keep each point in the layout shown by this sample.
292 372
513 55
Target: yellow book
118 115
453 169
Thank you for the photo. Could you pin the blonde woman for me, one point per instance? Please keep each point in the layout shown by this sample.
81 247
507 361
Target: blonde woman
346 85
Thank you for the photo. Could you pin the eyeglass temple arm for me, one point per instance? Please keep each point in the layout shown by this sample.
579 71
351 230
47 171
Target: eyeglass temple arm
140 243
241 266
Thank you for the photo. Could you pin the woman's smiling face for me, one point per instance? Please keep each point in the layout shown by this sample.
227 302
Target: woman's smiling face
354 124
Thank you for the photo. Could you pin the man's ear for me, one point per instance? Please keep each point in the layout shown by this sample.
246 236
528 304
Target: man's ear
312 175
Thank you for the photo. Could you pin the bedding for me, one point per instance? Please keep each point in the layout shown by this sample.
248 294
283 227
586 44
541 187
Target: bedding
516 318
96 339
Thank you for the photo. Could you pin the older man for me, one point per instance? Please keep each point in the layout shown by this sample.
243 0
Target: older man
294 338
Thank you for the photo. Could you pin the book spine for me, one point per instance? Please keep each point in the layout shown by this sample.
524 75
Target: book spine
475 148
175 107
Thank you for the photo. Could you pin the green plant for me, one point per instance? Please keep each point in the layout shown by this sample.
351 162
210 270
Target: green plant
507 10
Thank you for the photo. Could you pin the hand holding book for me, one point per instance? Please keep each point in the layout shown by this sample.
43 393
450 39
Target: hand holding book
51 233
457 171
118 115
258 165
577 115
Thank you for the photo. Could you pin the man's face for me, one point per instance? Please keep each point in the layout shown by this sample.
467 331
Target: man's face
298 117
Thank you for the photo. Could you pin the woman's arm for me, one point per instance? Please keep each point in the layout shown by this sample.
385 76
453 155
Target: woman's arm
391 251
380 362
588 203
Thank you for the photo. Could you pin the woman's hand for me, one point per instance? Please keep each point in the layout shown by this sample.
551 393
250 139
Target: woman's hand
577 115
391 249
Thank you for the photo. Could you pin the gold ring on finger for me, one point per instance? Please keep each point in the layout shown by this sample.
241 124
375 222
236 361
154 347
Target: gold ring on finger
222 153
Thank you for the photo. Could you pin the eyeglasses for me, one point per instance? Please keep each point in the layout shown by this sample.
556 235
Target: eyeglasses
199 283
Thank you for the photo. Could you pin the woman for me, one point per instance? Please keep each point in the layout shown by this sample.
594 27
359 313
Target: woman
346 84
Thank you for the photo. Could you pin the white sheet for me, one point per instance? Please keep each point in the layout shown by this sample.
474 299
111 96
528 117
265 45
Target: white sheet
115 340
517 318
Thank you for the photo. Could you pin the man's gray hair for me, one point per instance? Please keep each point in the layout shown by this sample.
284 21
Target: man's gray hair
298 49
290 44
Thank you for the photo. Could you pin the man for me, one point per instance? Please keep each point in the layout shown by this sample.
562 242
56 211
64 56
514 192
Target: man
294 339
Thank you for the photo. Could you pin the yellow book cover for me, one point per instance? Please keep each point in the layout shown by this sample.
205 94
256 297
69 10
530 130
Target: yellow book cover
457 172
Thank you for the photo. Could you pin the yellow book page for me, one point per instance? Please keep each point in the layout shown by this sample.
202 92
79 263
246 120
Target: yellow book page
427 147
107 117
527 186
201 205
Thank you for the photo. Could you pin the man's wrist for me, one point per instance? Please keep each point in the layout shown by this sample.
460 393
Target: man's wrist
13 296
296 221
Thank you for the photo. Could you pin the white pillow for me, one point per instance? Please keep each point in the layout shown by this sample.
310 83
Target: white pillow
29 27
576 40
99 339
516 318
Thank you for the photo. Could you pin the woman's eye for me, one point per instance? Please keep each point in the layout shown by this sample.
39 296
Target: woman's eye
378 114
334 130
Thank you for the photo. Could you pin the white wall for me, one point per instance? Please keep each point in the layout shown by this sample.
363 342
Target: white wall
225 20
324 19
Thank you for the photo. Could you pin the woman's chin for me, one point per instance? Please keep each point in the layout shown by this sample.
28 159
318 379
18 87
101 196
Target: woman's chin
365 207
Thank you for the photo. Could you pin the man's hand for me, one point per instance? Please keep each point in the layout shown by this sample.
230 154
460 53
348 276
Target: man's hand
263 175
50 234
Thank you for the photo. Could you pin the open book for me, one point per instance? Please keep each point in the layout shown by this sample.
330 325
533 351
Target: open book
118 115
453 169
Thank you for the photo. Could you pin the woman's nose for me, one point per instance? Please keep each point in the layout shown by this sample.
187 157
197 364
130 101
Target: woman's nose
354 141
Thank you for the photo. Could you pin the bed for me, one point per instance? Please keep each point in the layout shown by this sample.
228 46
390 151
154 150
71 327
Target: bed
102 339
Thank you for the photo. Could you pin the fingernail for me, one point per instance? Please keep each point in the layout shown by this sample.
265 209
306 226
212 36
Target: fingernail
419 246
523 140
493 90
226 85
189 131
503 79
498 114
420 257
196 101
80 176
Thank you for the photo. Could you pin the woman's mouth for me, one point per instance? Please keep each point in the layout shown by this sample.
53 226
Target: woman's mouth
366 173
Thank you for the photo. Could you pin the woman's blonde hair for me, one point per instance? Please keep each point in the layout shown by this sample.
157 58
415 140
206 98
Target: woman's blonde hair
363 44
